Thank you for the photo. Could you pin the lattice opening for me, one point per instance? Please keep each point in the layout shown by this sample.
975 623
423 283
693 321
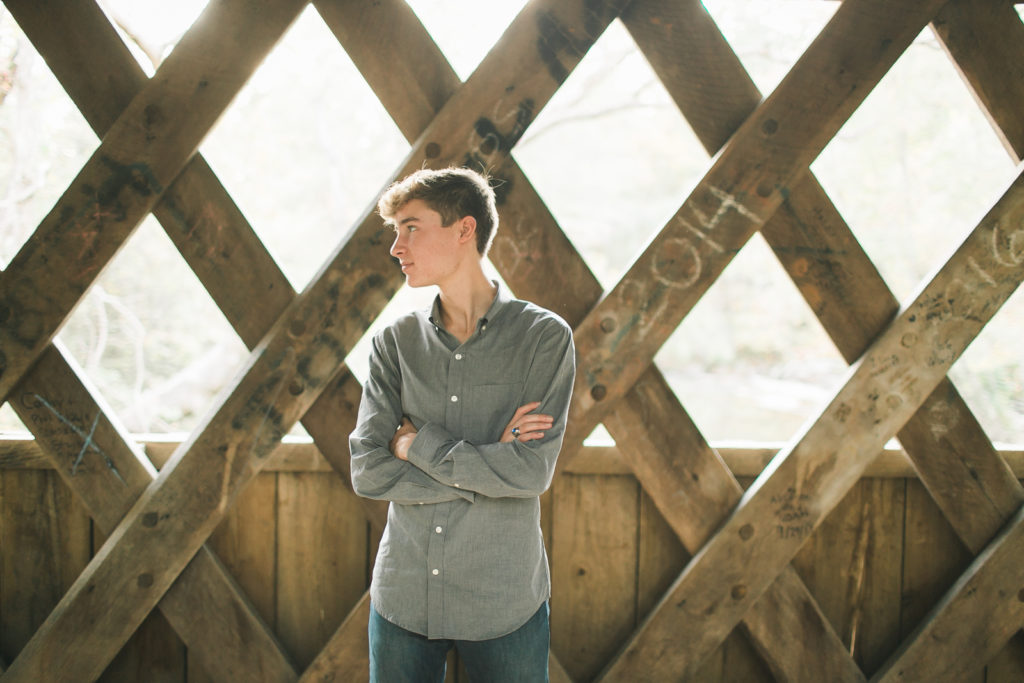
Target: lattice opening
48 150
127 337
625 183
465 30
990 375
301 150
770 36
751 362
892 177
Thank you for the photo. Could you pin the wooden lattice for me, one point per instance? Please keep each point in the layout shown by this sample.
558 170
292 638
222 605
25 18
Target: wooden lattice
760 181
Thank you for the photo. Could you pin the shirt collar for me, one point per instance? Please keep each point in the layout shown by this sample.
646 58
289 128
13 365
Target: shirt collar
501 298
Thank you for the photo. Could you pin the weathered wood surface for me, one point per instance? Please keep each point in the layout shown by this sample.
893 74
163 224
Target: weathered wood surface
313 597
139 157
854 563
693 489
93 456
45 535
172 519
744 459
205 606
594 556
957 462
805 481
834 303
991 587
198 215
746 184
986 43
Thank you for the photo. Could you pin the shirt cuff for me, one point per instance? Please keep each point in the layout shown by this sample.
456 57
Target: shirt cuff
427 453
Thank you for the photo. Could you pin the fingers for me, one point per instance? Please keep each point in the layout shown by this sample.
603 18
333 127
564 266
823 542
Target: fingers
524 409
527 426
534 422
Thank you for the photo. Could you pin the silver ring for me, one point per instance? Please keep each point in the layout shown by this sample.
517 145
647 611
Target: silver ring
515 432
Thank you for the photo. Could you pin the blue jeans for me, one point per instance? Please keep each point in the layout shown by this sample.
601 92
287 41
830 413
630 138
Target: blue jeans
401 656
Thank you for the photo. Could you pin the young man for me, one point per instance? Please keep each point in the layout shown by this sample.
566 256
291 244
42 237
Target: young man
459 427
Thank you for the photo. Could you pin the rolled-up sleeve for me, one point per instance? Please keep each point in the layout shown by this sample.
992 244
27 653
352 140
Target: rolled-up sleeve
376 472
513 469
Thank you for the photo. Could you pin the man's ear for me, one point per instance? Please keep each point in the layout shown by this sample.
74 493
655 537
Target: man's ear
467 229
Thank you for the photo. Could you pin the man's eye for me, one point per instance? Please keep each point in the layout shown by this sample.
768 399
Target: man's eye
413 228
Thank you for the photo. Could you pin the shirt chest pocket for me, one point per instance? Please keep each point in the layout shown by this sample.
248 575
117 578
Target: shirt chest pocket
490 407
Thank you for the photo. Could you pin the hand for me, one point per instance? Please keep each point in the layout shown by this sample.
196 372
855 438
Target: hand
529 426
401 442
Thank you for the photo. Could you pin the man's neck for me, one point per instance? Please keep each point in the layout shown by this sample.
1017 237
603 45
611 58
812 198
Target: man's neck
464 301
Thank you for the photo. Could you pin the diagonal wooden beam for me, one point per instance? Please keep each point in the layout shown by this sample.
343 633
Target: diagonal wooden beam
978 614
985 40
882 391
973 621
957 462
139 157
839 269
746 184
91 452
694 490
198 215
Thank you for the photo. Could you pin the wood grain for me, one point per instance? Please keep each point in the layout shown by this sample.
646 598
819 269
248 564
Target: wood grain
884 389
141 154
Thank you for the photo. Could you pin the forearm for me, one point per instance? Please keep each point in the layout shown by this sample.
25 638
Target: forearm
377 474
497 470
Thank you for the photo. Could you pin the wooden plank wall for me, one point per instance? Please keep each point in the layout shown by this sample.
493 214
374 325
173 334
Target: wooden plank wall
301 549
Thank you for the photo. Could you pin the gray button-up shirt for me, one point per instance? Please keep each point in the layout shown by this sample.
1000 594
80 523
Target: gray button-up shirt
462 555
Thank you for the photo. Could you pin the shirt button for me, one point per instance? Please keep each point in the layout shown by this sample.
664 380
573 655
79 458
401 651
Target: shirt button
437 530
435 572
458 356
455 399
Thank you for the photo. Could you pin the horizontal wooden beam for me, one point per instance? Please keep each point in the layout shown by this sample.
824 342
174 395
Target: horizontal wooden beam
20 451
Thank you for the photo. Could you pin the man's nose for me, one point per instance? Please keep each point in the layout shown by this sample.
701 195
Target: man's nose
398 246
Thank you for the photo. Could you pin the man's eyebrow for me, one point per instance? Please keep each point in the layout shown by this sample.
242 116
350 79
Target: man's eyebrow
408 219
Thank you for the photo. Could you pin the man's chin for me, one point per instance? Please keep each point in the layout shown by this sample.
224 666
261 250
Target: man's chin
415 283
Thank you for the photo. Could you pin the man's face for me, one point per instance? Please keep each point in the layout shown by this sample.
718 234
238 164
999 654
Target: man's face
426 250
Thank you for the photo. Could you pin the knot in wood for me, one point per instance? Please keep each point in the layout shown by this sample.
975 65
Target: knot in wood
738 592
598 392
746 532
432 150
770 126
145 580
150 519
